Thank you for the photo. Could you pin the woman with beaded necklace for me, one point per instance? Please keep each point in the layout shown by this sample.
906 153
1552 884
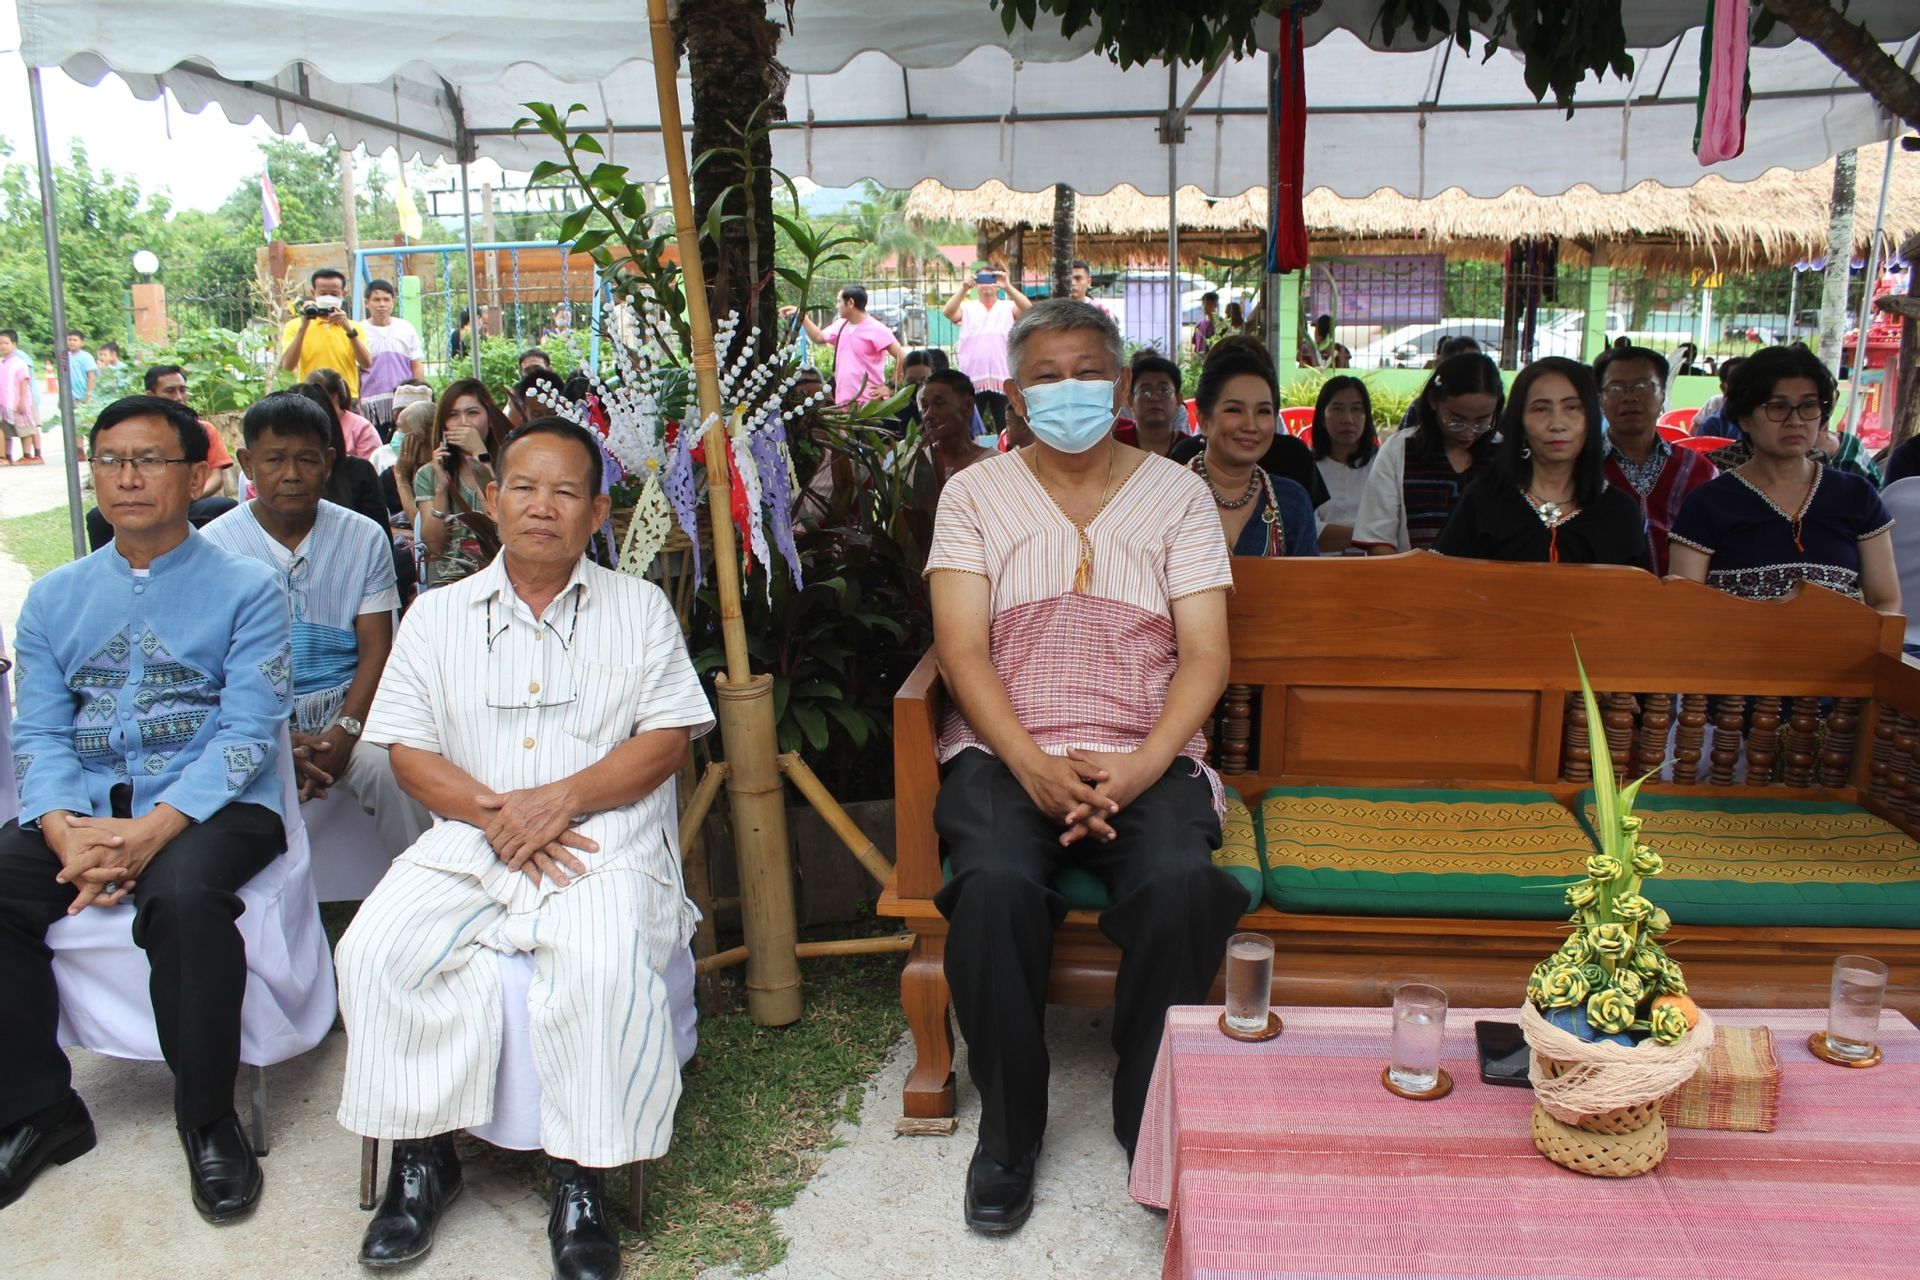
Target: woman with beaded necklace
1260 514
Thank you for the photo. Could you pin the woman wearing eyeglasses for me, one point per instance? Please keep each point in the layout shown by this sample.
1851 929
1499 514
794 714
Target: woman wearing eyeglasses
1781 518
1422 470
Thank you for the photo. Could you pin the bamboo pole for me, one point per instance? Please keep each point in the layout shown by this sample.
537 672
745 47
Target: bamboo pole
695 870
889 944
699 801
719 960
747 732
808 784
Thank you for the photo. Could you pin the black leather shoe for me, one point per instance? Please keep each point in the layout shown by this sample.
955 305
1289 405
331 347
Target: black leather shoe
584 1246
999 1196
225 1174
423 1180
26 1148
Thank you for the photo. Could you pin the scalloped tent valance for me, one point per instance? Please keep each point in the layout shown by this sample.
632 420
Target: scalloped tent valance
954 98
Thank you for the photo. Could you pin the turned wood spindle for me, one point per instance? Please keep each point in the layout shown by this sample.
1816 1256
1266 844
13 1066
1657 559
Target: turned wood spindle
1618 712
1840 742
1650 744
1763 742
1899 763
1690 739
1576 759
1236 728
1729 715
1884 718
1802 741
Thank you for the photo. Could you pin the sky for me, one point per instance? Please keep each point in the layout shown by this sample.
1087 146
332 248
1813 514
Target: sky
197 159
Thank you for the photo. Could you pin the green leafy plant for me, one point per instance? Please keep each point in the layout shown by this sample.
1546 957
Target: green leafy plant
226 371
1611 978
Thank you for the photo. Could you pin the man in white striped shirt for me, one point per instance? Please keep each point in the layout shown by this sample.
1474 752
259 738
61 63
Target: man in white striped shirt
536 708
337 567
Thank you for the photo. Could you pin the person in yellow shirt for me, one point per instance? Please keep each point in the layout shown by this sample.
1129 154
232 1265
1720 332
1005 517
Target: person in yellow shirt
323 335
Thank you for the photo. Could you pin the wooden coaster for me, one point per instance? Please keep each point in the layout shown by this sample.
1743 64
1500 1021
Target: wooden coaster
1442 1086
1817 1045
1273 1028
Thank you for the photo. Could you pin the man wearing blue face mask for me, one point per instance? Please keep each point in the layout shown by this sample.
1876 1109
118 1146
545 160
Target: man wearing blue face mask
1079 610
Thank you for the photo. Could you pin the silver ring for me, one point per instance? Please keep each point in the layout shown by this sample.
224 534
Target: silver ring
110 888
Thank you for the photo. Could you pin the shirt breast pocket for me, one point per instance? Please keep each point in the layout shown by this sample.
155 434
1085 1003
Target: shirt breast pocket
605 705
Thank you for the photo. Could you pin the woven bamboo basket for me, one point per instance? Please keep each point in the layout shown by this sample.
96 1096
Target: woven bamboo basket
1626 1153
1617 1121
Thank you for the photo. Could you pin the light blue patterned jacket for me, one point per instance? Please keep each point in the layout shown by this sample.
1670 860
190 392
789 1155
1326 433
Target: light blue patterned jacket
178 682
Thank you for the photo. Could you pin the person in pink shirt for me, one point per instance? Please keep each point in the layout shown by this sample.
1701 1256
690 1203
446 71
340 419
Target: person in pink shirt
985 321
860 345
363 438
19 420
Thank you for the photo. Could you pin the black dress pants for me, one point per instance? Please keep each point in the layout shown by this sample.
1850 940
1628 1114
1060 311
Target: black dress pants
185 908
1172 914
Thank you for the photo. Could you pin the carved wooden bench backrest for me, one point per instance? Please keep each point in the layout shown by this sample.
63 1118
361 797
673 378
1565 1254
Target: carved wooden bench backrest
1418 669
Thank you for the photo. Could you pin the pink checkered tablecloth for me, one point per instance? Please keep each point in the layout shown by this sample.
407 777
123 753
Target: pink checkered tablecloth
1288 1159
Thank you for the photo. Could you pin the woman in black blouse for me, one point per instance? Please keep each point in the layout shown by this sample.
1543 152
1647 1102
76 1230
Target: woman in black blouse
1546 497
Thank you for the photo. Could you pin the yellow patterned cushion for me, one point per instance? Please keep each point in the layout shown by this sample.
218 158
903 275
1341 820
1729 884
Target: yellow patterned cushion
1378 851
1777 861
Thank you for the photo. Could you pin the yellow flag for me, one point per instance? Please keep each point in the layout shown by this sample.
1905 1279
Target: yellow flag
411 225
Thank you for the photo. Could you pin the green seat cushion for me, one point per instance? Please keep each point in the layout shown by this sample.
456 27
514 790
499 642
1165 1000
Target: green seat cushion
1371 851
1238 856
1777 861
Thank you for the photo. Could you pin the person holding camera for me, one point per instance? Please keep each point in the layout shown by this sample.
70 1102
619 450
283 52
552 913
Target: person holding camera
323 335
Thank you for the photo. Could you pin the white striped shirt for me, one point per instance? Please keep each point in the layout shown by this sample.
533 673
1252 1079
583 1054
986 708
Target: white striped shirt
520 702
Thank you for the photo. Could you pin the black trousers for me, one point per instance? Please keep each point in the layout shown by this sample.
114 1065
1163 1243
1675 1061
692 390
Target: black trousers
1172 914
185 906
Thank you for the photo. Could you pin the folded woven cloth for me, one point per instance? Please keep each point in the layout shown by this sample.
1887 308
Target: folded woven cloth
1737 1088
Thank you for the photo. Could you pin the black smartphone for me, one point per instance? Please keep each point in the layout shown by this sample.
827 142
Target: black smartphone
1503 1053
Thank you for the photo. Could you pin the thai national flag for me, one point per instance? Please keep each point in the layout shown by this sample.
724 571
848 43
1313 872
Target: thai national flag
269 204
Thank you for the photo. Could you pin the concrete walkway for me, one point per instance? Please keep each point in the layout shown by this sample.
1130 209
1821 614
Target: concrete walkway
884 1206
23 491
880 1206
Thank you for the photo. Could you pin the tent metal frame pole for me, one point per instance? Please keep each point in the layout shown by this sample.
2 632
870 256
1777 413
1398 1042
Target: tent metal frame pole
1854 403
478 330
50 231
1170 134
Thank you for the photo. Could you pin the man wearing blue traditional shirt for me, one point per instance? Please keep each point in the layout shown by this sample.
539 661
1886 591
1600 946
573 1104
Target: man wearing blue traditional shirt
154 680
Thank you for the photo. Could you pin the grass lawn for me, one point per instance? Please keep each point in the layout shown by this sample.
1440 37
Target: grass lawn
42 541
758 1112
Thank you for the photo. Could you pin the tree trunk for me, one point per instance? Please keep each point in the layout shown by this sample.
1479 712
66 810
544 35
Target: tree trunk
1833 292
1848 46
1065 230
730 50
1905 411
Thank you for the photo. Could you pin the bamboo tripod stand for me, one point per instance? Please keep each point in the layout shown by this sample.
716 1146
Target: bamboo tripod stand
754 772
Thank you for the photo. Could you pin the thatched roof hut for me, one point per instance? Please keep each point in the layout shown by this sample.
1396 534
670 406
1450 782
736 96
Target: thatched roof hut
1773 221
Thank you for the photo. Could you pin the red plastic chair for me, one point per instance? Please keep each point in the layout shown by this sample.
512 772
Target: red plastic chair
1702 444
1306 435
1193 413
1297 419
1679 417
1672 435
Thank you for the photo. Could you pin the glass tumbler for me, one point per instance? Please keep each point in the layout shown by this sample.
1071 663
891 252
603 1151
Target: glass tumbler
1249 982
1853 1008
1419 1024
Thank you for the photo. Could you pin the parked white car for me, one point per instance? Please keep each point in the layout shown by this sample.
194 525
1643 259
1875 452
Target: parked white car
1412 346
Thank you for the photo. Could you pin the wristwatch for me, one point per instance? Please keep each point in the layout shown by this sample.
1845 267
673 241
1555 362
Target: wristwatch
353 333
352 726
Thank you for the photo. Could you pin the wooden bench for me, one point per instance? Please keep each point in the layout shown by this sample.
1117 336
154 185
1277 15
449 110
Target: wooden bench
1420 671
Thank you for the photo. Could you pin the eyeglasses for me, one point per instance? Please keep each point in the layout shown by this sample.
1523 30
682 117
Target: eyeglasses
1154 393
1806 410
297 577
1621 390
1467 428
150 467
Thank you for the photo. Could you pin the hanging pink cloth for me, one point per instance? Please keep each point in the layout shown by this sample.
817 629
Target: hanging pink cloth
1720 132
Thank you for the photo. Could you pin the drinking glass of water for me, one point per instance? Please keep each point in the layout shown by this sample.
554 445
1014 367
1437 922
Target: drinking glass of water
1419 1024
1249 982
1853 1010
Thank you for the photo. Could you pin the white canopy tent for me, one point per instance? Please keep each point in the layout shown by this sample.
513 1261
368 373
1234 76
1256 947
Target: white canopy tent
954 97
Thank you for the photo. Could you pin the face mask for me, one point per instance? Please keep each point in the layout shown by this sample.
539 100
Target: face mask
1070 415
